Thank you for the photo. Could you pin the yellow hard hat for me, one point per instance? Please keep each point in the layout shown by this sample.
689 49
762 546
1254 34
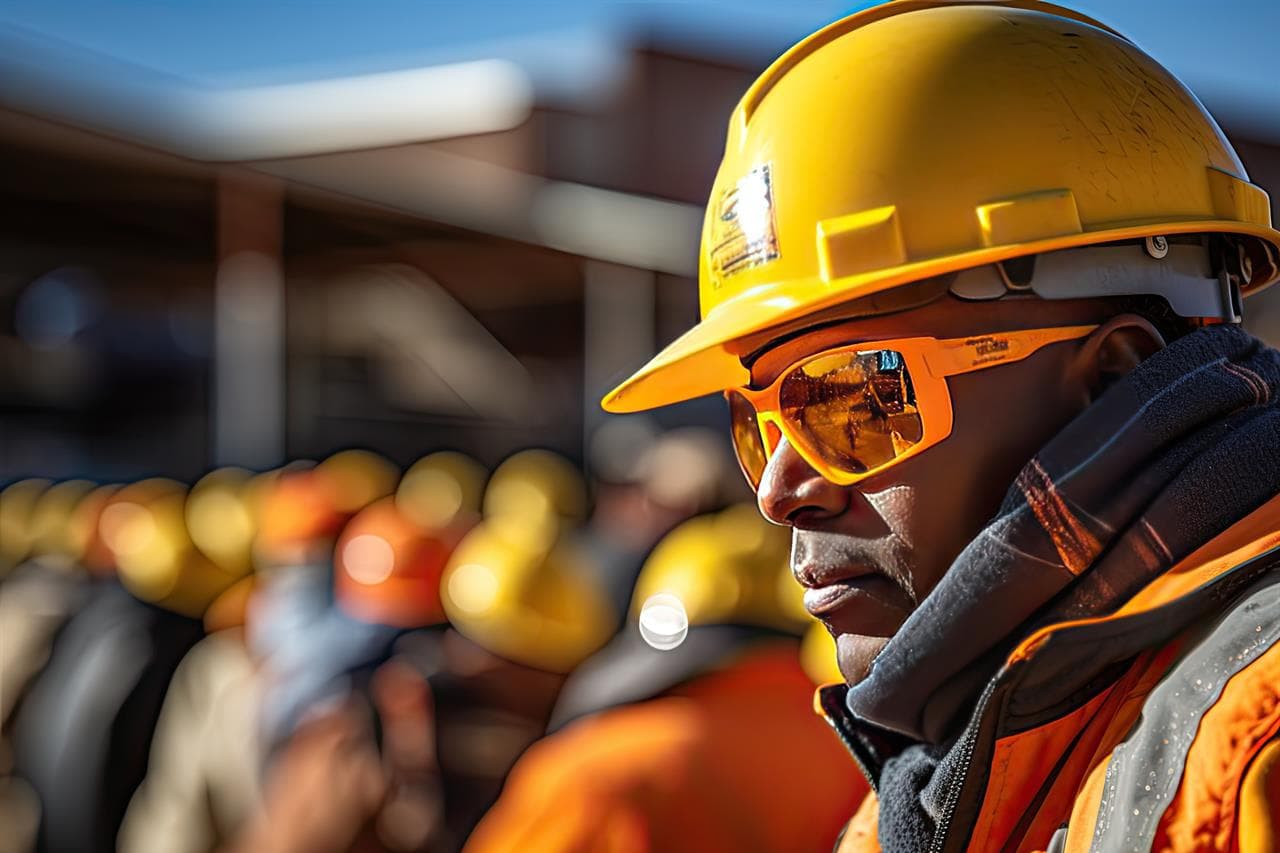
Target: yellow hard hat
921 137
54 538
441 489
357 478
535 494
818 655
144 525
222 515
728 567
536 606
16 504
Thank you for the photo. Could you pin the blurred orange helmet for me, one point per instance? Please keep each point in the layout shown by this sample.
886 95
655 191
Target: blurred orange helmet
296 508
302 508
388 568
90 548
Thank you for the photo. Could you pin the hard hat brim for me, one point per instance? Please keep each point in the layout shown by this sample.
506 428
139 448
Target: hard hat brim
708 358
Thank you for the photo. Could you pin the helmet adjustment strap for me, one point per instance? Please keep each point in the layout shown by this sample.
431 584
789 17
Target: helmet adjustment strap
1178 272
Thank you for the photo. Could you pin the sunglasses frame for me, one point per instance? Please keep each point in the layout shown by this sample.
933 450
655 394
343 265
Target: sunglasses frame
927 361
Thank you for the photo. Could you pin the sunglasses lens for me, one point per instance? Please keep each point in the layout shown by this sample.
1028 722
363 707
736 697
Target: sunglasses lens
752 456
856 410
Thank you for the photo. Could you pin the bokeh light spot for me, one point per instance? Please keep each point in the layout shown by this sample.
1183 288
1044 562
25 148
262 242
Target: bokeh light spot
369 559
664 624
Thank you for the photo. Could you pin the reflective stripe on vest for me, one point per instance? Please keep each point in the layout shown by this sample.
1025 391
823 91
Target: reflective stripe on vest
1145 770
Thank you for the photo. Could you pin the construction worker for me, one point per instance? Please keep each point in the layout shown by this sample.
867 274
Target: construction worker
43 590
202 789
82 731
305 644
17 504
523 611
970 280
202 782
525 608
648 751
37 597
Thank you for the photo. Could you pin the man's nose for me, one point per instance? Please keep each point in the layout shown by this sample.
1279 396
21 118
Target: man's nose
790 489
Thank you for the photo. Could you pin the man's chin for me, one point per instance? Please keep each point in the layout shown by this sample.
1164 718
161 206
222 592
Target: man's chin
854 654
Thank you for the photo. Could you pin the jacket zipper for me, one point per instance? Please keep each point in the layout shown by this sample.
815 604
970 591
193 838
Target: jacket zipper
854 749
968 746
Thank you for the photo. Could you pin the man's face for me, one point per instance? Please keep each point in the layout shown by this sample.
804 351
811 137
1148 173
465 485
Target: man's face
867 554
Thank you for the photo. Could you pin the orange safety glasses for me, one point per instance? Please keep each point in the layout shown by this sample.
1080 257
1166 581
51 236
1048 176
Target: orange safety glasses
853 411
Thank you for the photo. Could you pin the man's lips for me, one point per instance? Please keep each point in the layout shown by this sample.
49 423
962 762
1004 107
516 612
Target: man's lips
853 599
813 576
826 600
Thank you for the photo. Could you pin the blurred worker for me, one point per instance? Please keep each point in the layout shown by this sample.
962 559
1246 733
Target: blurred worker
202 785
711 745
304 643
522 613
647 483
970 280
48 584
370 694
82 732
17 503
525 607
46 587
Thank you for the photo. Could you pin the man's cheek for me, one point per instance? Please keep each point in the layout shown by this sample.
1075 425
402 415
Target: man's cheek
897 506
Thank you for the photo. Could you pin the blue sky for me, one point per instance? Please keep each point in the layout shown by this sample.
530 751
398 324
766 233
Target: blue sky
217 42
1223 48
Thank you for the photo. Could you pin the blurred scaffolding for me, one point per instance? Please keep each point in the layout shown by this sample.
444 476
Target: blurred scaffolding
434 257
462 254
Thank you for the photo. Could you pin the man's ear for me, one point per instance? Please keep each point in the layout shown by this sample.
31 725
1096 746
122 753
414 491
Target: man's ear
1113 349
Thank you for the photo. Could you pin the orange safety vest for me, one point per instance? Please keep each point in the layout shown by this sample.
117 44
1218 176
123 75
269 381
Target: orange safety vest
732 761
1176 749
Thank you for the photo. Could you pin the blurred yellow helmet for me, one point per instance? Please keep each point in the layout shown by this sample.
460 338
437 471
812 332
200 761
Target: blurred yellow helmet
54 539
16 504
536 606
535 494
818 655
728 567
144 525
441 490
222 515
921 137
357 478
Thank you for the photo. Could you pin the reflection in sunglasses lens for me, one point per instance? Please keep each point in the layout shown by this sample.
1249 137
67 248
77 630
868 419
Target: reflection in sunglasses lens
856 411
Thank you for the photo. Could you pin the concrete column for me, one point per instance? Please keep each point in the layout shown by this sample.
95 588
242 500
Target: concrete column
618 307
248 405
